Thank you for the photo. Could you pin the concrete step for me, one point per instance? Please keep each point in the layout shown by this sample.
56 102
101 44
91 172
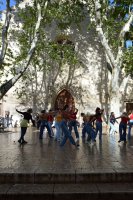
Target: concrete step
99 191
66 177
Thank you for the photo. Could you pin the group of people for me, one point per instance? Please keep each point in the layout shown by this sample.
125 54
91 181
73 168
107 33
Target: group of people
125 120
65 120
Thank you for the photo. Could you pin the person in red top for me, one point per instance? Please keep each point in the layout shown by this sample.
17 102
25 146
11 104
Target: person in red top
73 123
130 124
123 126
98 116
50 120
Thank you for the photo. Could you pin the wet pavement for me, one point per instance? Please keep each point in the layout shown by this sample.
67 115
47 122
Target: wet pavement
46 155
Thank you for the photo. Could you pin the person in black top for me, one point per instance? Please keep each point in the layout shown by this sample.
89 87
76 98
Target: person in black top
24 124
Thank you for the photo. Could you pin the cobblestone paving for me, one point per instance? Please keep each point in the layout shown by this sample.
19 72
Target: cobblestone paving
46 155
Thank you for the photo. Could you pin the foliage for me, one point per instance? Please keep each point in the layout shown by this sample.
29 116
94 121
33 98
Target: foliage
128 61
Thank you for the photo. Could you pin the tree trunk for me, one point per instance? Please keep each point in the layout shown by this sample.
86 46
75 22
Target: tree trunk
115 94
6 86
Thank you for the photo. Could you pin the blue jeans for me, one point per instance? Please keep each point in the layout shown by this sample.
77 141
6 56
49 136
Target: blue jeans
67 134
50 126
44 124
99 129
58 130
129 129
122 131
73 124
90 131
84 131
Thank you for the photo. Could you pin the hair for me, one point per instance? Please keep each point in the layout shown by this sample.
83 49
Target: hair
29 110
124 113
43 111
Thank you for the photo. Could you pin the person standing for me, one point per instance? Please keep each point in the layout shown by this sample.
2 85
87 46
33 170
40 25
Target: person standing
58 120
44 124
130 125
24 124
98 115
123 126
50 120
73 123
112 123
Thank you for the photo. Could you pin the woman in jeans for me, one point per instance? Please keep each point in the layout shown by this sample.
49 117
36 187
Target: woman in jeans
130 125
98 116
24 124
123 126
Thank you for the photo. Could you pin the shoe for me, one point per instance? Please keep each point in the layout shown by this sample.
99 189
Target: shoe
120 141
19 141
88 142
24 142
51 136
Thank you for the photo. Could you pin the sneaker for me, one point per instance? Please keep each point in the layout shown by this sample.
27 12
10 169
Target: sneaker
51 136
88 142
77 146
119 141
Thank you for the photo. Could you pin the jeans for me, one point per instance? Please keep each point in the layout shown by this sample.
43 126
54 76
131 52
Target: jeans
129 129
23 132
84 131
122 131
58 130
90 131
50 126
44 124
99 129
73 124
67 134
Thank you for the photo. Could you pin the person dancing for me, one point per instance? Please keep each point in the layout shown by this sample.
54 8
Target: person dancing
24 124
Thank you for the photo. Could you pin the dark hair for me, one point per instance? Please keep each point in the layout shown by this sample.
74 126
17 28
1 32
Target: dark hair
43 111
97 109
29 110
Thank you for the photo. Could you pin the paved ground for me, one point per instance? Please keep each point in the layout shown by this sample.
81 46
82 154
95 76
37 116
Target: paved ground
47 155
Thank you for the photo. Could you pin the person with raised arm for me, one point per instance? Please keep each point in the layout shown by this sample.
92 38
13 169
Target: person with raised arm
24 124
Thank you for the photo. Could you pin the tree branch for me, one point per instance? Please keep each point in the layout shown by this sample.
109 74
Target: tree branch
5 32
